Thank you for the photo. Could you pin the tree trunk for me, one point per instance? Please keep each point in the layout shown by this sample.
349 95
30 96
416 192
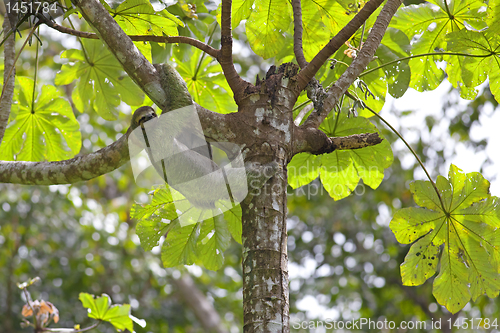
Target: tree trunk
265 260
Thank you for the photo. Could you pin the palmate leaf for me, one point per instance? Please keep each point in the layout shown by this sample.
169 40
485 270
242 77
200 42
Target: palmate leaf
138 17
315 35
395 45
41 129
340 171
484 48
465 221
432 22
266 26
206 83
100 308
203 242
101 81
332 15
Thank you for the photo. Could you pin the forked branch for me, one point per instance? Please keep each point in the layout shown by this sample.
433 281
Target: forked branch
308 72
298 49
357 66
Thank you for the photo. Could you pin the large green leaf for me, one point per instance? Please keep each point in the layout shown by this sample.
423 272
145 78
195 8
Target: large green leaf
266 26
179 247
205 240
240 10
101 81
138 17
213 241
315 35
206 83
465 218
100 308
431 22
395 45
332 15
483 61
42 127
340 171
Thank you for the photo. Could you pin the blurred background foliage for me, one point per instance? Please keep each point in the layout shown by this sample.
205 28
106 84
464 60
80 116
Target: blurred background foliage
343 259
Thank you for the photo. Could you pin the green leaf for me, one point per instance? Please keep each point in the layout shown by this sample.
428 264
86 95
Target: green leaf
206 83
395 45
100 308
483 62
138 17
315 35
340 171
266 26
101 81
179 247
332 15
420 262
432 22
303 169
465 218
213 241
43 128
233 218
155 219
241 10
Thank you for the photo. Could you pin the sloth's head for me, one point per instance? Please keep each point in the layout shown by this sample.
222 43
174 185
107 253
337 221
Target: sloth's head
142 115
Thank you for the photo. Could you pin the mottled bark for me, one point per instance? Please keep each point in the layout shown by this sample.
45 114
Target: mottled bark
8 82
265 261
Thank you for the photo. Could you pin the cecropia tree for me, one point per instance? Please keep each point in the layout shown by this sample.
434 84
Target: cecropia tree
273 123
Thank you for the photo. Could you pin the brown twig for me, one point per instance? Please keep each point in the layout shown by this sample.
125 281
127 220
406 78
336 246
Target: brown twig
297 34
316 142
357 66
308 72
136 38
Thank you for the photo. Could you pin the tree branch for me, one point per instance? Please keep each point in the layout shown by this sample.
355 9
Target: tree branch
308 72
357 66
136 38
8 83
225 58
131 59
202 308
316 142
297 34
81 168
77 169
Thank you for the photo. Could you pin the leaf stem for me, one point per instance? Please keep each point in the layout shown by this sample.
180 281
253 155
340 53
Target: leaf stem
203 53
426 55
407 145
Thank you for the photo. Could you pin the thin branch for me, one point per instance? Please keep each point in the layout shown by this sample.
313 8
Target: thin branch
136 38
412 151
225 58
336 42
77 169
303 112
316 142
8 80
297 34
357 66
